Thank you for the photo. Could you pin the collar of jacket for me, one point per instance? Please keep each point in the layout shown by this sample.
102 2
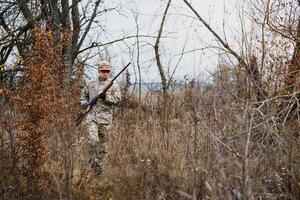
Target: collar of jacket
101 80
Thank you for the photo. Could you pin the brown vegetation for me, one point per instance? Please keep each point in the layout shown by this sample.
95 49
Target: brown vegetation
236 137
218 147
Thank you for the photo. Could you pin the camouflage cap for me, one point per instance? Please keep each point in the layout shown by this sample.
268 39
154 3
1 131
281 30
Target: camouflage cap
104 65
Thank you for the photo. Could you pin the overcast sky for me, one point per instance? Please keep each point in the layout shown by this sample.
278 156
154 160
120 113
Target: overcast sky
182 31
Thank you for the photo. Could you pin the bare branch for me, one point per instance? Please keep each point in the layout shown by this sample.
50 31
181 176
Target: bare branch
225 45
95 44
156 48
26 12
89 25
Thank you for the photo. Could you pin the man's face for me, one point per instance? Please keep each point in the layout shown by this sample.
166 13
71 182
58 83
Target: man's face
104 74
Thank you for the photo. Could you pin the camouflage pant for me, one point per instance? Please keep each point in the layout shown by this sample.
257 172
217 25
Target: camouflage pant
97 141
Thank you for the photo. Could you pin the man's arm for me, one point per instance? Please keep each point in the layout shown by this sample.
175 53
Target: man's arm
84 97
114 96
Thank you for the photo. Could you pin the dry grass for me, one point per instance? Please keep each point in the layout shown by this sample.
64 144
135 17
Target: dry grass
201 156
198 154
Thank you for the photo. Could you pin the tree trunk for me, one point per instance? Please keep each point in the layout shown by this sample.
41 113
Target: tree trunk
292 80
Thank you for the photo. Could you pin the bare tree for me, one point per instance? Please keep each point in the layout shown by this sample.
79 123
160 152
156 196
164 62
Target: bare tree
60 18
251 67
157 54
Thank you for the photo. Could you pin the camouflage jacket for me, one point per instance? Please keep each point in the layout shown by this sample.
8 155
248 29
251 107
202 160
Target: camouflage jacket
102 111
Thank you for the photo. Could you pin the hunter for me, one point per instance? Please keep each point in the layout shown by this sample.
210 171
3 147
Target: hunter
100 118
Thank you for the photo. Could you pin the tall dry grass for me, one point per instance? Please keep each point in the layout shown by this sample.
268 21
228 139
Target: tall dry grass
210 144
216 147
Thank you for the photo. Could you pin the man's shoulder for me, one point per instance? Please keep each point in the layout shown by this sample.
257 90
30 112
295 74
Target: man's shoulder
91 82
116 84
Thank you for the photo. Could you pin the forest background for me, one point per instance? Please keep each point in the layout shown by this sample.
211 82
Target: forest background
231 134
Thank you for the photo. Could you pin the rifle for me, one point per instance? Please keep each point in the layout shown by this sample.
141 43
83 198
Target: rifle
95 99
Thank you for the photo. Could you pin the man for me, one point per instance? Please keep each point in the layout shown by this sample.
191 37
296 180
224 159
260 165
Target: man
100 117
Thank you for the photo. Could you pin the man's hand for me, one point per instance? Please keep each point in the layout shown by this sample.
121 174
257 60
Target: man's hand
102 96
84 105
